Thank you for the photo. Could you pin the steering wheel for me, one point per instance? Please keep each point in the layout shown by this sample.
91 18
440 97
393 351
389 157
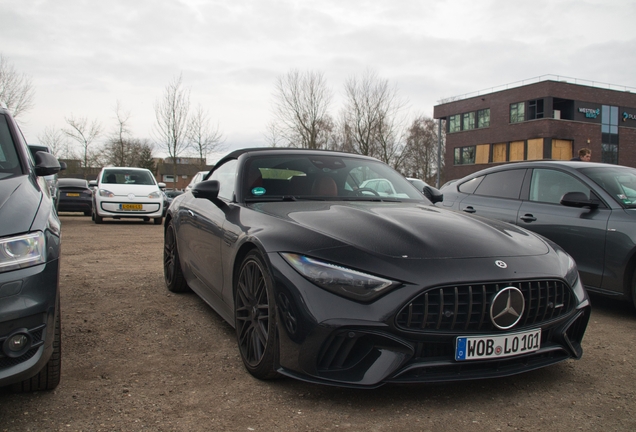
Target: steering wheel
360 191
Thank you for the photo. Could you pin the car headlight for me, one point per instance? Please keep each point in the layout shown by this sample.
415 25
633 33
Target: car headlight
340 280
22 251
154 195
106 193
568 267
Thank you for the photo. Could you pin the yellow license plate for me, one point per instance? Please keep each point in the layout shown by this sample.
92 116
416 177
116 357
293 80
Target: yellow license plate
132 207
72 194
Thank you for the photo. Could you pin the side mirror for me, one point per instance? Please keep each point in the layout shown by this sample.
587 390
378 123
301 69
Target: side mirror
92 183
46 164
577 199
208 189
433 194
161 185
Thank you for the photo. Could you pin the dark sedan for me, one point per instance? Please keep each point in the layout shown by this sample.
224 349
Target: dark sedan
589 209
330 282
30 334
75 196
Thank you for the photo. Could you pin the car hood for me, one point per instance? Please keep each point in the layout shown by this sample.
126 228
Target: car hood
405 230
19 203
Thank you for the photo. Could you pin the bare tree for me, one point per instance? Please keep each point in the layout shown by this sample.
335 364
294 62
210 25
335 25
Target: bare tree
118 146
171 113
84 132
370 124
301 103
203 138
421 151
16 90
273 135
56 141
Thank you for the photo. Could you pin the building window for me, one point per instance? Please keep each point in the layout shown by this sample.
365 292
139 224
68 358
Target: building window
517 151
482 153
500 152
517 112
609 153
609 134
483 118
535 109
468 121
465 155
454 123
561 149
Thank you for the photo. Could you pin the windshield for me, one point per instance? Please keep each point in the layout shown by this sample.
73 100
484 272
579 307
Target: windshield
618 181
323 177
124 176
9 160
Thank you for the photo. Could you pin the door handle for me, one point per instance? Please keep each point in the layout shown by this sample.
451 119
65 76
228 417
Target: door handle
528 218
469 209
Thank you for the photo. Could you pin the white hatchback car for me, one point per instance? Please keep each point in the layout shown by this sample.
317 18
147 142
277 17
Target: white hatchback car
125 192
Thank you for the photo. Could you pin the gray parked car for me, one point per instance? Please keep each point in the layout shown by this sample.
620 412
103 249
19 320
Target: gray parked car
589 209
30 332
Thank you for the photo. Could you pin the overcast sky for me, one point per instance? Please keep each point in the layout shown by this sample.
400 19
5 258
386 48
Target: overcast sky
84 56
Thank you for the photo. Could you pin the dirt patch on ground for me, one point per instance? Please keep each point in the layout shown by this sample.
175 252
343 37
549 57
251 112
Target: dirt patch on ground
136 357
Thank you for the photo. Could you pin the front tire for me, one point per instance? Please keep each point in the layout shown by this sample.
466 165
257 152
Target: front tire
634 289
255 317
172 274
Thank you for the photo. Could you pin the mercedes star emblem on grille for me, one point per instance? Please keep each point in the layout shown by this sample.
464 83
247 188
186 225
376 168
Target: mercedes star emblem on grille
501 264
507 308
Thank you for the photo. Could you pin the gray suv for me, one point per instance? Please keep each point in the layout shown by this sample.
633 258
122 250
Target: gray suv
589 209
30 333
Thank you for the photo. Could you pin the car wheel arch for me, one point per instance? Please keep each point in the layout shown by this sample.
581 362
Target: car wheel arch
242 252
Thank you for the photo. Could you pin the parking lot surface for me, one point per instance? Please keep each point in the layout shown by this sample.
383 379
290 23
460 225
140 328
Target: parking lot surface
136 357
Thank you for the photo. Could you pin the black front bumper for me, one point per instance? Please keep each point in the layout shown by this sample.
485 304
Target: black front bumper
331 340
28 304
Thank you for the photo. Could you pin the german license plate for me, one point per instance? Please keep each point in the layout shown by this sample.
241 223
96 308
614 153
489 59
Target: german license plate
132 207
72 194
486 347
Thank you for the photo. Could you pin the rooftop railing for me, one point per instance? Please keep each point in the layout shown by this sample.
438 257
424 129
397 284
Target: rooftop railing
534 80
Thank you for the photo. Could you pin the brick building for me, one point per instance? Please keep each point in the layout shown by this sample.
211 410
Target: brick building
548 119
186 169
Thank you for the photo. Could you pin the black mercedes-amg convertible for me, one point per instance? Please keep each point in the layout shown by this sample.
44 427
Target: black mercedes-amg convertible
330 276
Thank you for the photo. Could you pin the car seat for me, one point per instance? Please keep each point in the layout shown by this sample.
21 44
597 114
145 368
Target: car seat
324 186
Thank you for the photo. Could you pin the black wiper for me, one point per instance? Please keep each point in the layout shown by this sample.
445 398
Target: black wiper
271 199
371 199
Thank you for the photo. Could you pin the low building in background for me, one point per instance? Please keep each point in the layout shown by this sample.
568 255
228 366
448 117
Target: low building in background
547 119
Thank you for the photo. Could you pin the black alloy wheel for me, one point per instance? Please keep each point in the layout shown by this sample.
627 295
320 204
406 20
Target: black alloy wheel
175 281
255 319
634 288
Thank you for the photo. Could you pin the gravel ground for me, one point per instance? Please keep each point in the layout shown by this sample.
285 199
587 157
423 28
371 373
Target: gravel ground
136 357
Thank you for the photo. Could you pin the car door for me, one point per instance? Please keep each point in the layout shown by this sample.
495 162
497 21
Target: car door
497 196
580 231
204 220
